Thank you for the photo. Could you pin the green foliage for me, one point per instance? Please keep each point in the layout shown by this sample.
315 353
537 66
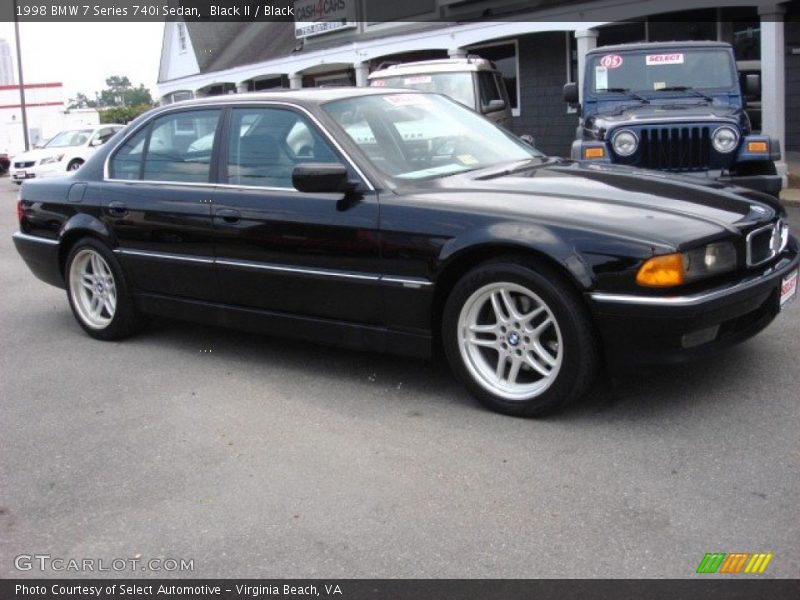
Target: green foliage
119 92
123 114
81 101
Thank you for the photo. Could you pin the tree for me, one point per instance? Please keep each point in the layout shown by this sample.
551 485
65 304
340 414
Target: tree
120 92
123 114
81 101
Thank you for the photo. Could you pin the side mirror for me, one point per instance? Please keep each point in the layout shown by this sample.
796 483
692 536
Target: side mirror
571 93
321 178
527 138
96 142
752 84
493 106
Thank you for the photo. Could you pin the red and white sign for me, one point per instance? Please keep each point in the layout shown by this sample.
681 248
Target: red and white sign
664 59
611 61
788 288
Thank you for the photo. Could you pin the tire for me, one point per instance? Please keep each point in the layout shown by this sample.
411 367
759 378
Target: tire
93 272
74 164
547 343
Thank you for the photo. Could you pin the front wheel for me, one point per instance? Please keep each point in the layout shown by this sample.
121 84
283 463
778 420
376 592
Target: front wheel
519 339
74 165
98 293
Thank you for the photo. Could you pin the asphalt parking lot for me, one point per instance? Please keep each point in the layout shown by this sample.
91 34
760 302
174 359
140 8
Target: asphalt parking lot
260 457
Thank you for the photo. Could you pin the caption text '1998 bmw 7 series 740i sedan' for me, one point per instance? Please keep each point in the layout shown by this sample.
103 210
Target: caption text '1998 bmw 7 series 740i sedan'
401 221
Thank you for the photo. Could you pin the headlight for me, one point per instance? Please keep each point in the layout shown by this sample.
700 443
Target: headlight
51 159
685 267
625 142
713 259
725 139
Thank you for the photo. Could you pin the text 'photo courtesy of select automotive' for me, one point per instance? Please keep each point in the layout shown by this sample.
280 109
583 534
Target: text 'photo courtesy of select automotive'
440 299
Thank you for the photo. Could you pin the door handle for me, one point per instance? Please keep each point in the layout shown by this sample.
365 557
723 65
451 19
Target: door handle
117 209
228 215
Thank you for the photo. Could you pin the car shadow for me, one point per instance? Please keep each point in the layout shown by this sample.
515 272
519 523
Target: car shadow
643 394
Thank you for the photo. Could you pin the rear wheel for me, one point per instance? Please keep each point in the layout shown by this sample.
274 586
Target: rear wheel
519 339
98 293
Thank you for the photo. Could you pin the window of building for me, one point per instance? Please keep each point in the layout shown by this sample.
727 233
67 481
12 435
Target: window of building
266 143
182 42
505 55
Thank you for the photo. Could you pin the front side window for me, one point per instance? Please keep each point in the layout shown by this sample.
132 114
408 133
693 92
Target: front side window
265 144
656 70
504 57
487 84
174 148
424 136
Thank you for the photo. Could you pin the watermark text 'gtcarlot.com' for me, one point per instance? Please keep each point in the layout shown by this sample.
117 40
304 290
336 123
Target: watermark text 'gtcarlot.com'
46 562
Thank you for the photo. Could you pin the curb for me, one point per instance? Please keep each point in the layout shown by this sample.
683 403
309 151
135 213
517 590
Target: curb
790 197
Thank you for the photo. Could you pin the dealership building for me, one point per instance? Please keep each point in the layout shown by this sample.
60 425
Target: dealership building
538 47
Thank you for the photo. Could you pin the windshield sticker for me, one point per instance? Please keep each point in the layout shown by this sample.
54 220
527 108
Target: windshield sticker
407 100
417 79
664 59
600 78
467 159
611 61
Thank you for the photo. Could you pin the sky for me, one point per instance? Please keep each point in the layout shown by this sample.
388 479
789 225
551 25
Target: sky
83 55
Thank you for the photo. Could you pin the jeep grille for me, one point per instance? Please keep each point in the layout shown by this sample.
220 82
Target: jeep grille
675 148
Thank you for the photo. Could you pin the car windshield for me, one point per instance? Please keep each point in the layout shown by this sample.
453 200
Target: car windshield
73 137
424 136
458 86
654 70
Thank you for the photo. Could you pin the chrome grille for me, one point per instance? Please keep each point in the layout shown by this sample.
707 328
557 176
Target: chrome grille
675 148
766 242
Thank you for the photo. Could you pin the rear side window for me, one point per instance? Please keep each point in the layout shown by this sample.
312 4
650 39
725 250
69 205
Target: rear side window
127 161
176 147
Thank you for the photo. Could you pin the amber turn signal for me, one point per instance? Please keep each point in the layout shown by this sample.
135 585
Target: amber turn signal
662 271
756 146
595 152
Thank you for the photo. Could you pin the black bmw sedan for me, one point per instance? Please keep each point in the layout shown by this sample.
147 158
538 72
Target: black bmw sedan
402 222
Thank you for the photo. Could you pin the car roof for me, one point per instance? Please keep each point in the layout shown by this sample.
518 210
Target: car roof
303 96
444 65
658 46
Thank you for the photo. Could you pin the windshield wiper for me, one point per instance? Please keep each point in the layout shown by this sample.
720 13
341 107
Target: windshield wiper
518 167
685 88
627 91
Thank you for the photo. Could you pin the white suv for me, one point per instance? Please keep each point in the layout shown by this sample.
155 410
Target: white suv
66 151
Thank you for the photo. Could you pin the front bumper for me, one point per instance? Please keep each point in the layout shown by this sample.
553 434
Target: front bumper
648 330
38 171
769 184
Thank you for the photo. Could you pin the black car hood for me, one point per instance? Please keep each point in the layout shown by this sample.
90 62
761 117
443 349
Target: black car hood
623 201
665 112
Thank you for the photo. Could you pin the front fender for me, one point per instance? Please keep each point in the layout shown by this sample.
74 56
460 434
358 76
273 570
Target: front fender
758 148
524 237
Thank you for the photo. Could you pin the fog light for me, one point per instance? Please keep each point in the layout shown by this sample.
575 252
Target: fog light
703 336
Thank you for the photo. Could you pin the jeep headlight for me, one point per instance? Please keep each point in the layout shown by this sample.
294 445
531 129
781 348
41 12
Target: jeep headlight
725 139
669 270
51 159
624 142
